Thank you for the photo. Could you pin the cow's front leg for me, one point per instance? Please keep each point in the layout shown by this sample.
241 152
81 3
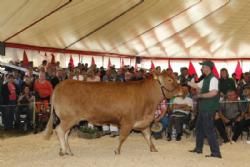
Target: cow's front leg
147 135
124 132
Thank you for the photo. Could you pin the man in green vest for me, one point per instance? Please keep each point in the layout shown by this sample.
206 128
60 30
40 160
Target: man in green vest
208 104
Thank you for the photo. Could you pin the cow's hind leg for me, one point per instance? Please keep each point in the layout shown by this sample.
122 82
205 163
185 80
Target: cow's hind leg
61 136
68 150
124 132
147 135
62 131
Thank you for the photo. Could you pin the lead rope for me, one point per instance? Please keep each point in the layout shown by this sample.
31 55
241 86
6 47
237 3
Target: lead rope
162 91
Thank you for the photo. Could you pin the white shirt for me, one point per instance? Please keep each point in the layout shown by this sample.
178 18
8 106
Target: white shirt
187 100
79 78
214 84
94 79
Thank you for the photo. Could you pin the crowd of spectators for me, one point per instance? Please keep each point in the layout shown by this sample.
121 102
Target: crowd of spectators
19 87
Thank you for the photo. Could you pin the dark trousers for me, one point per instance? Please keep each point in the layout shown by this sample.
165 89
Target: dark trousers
177 122
24 109
205 128
8 115
238 130
222 129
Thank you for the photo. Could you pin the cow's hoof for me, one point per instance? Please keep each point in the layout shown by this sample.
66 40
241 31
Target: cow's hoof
117 152
153 150
61 153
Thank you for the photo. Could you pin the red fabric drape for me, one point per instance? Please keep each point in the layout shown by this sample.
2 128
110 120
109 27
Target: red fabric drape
122 63
191 69
215 72
169 65
152 65
25 60
109 63
238 70
92 61
71 61
53 61
136 67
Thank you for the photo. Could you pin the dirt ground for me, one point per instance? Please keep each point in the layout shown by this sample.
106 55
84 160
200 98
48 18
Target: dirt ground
33 151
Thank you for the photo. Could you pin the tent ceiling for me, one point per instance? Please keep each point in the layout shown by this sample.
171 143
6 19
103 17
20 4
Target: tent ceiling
153 28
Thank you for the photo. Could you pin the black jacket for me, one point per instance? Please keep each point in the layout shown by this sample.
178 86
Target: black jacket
6 93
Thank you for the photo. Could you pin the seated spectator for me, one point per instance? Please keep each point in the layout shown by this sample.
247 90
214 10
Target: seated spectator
162 117
92 76
108 76
229 115
245 122
111 130
181 108
25 105
120 77
78 75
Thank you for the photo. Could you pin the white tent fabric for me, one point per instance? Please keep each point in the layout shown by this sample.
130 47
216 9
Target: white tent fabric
148 28
37 57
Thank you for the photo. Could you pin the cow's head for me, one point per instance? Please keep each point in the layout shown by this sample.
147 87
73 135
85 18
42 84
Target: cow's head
169 85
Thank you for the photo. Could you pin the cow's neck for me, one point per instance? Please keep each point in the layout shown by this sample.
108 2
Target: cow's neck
154 89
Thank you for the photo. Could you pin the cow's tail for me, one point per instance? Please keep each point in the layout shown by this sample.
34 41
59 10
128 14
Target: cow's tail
49 127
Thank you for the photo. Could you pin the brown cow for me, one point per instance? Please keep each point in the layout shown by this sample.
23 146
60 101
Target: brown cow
129 105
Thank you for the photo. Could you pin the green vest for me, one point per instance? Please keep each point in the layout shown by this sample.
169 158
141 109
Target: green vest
208 104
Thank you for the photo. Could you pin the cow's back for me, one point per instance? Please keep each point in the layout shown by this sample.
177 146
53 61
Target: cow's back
99 102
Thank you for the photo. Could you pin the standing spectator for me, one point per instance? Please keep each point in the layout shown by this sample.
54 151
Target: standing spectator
170 72
157 70
1 86
43 87
43 90
208 105
9 94
54 80
243 84
235 80
29 82
43 66
58 66
225 83
184 77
